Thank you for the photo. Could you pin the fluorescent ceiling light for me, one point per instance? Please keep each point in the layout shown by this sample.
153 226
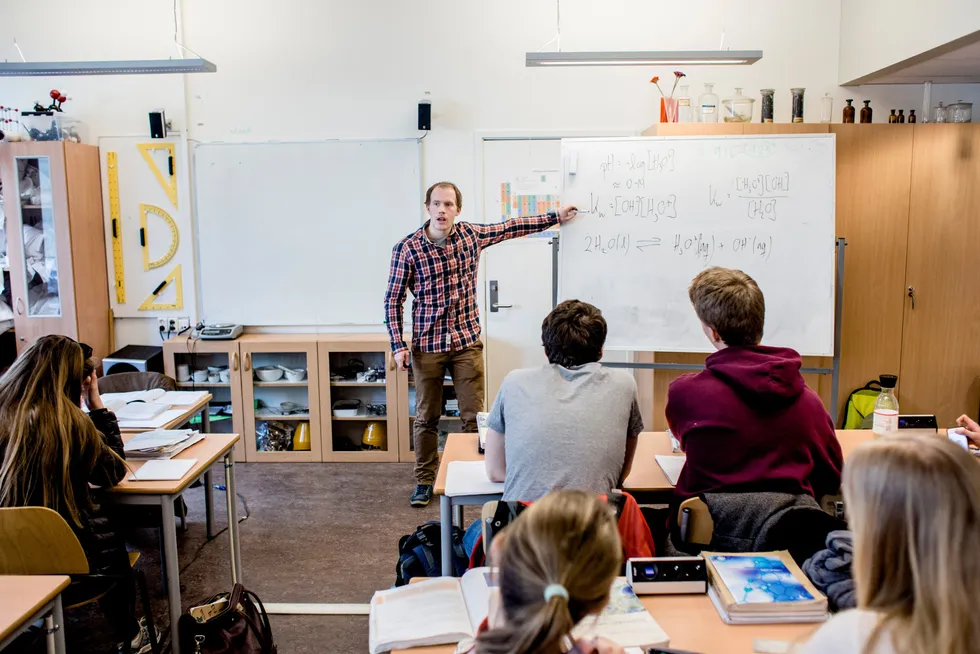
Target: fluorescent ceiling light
143 67
648 58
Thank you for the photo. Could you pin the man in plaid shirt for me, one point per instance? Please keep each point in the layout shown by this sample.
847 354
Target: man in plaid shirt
438 263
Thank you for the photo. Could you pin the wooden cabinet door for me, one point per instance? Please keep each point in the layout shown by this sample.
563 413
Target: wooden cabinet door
41 276
941 339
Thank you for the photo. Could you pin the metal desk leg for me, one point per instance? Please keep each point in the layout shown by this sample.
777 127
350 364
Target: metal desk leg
206 419
59 623
209 503
458 516
233 536
446 533
173 567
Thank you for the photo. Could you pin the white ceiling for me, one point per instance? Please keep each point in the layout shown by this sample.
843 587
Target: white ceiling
959 66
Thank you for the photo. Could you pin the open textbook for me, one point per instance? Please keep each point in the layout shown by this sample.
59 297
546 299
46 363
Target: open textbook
454 609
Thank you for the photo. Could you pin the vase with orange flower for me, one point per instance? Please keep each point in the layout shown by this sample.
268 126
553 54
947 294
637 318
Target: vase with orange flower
668 103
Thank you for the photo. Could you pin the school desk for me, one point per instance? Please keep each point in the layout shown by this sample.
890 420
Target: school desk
26 599
201 406
646 481
692 624
163 494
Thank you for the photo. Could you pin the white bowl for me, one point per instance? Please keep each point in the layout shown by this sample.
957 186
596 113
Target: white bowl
200 375
295 375
225 376
268 373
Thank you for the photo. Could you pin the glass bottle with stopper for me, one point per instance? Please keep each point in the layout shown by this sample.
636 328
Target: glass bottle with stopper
866 111
848 116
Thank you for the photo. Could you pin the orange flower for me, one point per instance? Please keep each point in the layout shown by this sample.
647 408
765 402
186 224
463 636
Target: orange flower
656 78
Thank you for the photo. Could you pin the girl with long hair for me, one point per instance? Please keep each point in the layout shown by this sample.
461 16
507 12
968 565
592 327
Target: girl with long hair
556 564
51 452
914 506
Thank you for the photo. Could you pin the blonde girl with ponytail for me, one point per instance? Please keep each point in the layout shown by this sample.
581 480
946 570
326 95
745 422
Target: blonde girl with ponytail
555 564
913 503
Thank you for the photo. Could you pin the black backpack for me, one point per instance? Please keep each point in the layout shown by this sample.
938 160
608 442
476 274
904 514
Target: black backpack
420 554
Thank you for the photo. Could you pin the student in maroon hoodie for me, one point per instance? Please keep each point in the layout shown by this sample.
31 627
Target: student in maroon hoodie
748 422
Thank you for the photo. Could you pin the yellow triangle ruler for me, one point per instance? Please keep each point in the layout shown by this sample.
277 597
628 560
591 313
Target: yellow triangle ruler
114 215
145 237
169 183
149 304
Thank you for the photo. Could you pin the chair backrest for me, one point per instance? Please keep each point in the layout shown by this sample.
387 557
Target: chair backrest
126 382
700 526
37 541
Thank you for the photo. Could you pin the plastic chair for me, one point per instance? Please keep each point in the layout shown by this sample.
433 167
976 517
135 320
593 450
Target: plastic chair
699 526
38 541
126 382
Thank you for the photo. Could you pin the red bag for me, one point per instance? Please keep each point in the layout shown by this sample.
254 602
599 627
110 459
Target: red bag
241 626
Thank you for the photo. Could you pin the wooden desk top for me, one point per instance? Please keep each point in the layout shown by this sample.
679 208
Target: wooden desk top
212 448
693 624
22 596
189 412
645 475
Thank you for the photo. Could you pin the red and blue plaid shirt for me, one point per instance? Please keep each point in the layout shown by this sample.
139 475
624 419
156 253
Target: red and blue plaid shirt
445 315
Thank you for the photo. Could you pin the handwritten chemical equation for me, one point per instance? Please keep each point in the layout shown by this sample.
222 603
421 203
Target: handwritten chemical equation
700 246
637 164
762 193
633 206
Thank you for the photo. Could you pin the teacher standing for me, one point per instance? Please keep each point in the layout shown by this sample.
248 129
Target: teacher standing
438 263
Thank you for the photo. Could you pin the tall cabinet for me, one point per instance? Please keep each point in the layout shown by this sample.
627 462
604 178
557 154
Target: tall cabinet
55 242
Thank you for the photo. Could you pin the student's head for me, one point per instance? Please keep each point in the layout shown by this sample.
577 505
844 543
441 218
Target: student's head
567 544
914 506
573 334
443 201
729 305
42 426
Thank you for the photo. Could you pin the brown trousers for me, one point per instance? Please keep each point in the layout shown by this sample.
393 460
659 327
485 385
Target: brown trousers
429 368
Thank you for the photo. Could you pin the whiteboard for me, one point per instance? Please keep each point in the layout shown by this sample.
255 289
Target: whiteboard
663 209
301 233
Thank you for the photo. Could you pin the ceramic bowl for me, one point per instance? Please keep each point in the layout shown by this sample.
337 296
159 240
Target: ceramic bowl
200 375
295 374
268 373
225 376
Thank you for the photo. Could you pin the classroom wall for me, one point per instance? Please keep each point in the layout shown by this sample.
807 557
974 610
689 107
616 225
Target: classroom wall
875 34
299 70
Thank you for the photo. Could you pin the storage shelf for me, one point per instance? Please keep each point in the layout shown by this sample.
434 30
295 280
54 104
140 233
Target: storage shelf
357 384
445 383
273 416
276 383
203 385
31 206
362 417
440 418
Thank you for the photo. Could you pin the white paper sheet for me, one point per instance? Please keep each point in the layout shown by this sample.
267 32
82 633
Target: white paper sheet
133 396
395 620
181 398
152 423
163 470
470 478
139 411
672 466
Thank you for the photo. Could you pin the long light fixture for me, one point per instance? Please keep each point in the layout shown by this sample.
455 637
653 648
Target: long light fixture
649 58
140 67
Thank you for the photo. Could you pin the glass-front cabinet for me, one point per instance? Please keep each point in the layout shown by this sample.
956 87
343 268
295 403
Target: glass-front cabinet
280 398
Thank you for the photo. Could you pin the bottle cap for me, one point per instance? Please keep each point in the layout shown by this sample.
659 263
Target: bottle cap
888 381
849 100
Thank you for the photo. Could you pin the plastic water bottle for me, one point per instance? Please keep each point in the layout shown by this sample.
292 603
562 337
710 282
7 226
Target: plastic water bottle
886 407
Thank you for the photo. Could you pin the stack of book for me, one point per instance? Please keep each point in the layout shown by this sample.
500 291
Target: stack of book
160 443
762 588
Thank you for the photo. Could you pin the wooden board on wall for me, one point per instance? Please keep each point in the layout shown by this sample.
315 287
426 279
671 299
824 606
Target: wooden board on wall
874 167
940 370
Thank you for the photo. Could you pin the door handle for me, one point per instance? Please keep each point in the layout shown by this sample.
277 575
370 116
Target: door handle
248 361
234 361
19 305
912 295
495 306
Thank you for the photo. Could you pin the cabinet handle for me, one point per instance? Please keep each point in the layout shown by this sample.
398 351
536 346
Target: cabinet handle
234 361
912 295
391 362
248 361
19 305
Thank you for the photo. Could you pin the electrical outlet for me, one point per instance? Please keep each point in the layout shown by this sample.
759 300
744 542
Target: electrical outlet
183 323
162 325
172 325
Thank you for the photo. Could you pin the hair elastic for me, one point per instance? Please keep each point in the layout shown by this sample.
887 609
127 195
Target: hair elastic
555 590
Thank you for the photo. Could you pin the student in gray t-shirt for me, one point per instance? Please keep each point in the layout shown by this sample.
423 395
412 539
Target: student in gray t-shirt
569 424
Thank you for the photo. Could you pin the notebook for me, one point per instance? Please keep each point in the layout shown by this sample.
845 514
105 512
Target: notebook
762 587
672 466
482 427
163 470
470 478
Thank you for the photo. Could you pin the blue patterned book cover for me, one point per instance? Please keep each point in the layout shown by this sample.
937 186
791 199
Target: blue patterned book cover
759 579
